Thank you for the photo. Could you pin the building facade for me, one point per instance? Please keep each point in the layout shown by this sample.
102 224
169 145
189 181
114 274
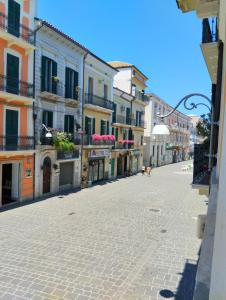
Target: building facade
161 150
58 110
210 278
97 114
16 100
132 81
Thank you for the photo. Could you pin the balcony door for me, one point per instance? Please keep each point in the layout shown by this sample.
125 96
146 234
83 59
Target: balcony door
128 117
69 124
71 84
49 72
11 129
12 74
14 18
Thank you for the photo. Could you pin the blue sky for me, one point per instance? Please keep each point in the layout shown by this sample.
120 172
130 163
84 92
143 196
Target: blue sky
153 35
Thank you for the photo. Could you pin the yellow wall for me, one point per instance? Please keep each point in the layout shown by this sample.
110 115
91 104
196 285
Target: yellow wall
98 117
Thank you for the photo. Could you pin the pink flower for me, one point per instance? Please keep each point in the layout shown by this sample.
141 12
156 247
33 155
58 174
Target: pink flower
112 138
96 137
104 137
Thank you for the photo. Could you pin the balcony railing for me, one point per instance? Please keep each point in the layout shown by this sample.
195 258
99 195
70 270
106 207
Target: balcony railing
122 119
76 139
52 86
141 96
99 101
120 145
15 86
20 31
209 33
16 143
201 175
88 140
61 154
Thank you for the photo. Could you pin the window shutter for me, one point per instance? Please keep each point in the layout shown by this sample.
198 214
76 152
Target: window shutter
75 87
54 73
43 73
113 131
12 73
116 134
86 125
65 123
71 124
14 18
50 119
114 113
102 127
67 83
107 127
94 121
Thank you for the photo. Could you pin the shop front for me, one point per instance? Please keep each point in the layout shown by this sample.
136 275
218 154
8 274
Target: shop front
137 161
121 163
95 166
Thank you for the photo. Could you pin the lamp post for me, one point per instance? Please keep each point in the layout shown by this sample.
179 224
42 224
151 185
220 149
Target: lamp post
48 133
163 129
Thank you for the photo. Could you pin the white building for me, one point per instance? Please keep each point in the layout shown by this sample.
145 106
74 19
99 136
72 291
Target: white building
58 85
160 150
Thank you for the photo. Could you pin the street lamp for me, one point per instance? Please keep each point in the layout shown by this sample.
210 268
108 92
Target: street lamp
48 133
163 129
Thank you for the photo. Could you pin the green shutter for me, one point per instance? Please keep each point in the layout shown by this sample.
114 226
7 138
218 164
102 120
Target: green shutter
102 127
94 122
14 18
50 119
108 127
43 73
75 88
12 74
113 131
71 124
86 125
54 73
116 134
67 83
65 123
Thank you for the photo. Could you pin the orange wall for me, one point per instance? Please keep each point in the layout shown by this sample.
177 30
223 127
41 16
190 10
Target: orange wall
26 6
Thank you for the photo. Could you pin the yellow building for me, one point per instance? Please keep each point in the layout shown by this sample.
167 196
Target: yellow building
132 82
97 115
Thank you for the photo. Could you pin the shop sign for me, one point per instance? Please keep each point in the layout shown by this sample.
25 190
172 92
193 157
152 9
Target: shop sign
99 153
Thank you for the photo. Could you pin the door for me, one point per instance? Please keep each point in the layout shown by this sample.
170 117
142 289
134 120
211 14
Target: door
46 175
125 165
11 129
119 166
101 169
66 173
12 74
14 18
6 183
112 167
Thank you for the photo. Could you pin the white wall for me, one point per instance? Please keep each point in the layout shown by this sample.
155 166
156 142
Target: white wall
122 80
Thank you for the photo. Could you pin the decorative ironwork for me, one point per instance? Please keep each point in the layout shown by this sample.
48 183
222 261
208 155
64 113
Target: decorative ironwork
22 31
16 143
99 101
15 86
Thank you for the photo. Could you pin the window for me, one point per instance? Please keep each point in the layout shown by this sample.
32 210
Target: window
11 128
114 113
138 118
49 71
161 149
12 74
69 124
133 89
71 84
128 116
90 86
153 151
104 127
47 118
14 18
89 125
105 91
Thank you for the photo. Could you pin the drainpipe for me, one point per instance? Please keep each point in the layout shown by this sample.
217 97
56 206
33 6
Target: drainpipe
83 99
33 106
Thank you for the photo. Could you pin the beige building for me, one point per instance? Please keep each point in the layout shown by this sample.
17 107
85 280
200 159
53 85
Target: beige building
160 150
211 279
132 81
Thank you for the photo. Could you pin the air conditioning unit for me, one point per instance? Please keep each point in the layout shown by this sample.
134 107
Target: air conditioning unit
201 222
123 108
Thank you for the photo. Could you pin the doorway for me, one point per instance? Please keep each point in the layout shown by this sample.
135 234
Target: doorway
10 183
125 165
96 170
46 175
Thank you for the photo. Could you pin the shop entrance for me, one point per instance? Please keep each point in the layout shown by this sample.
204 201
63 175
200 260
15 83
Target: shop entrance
66 174
96 170
10 183
46 175
119 166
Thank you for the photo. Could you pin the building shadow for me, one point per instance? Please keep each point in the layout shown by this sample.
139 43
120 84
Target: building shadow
185 289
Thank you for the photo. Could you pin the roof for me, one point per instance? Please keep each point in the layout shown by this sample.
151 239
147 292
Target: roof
121 64
45 23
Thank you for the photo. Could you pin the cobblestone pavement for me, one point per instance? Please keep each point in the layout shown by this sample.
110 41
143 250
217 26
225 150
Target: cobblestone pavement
134 238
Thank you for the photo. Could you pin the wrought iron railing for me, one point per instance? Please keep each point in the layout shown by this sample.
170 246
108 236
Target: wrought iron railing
122 119
16 143
209 32
52 86
119 145
62 154
141 96
88 140
201 175
15 86
99 101
20 31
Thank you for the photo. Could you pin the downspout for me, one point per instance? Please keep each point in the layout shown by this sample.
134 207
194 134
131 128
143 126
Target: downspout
83 99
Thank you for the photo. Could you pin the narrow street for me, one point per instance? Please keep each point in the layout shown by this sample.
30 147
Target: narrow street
134 238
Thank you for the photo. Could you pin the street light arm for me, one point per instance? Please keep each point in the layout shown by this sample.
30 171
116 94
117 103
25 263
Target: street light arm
191 106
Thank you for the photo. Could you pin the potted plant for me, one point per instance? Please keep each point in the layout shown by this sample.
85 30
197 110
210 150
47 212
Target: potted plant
62 141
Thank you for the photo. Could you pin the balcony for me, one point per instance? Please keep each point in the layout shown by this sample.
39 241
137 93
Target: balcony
204 8
52 90
209 47
142 97
201 175
13 89
119 119
96 102
16 143
104 140
21 35
124 144
65 155
72 96
76 139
